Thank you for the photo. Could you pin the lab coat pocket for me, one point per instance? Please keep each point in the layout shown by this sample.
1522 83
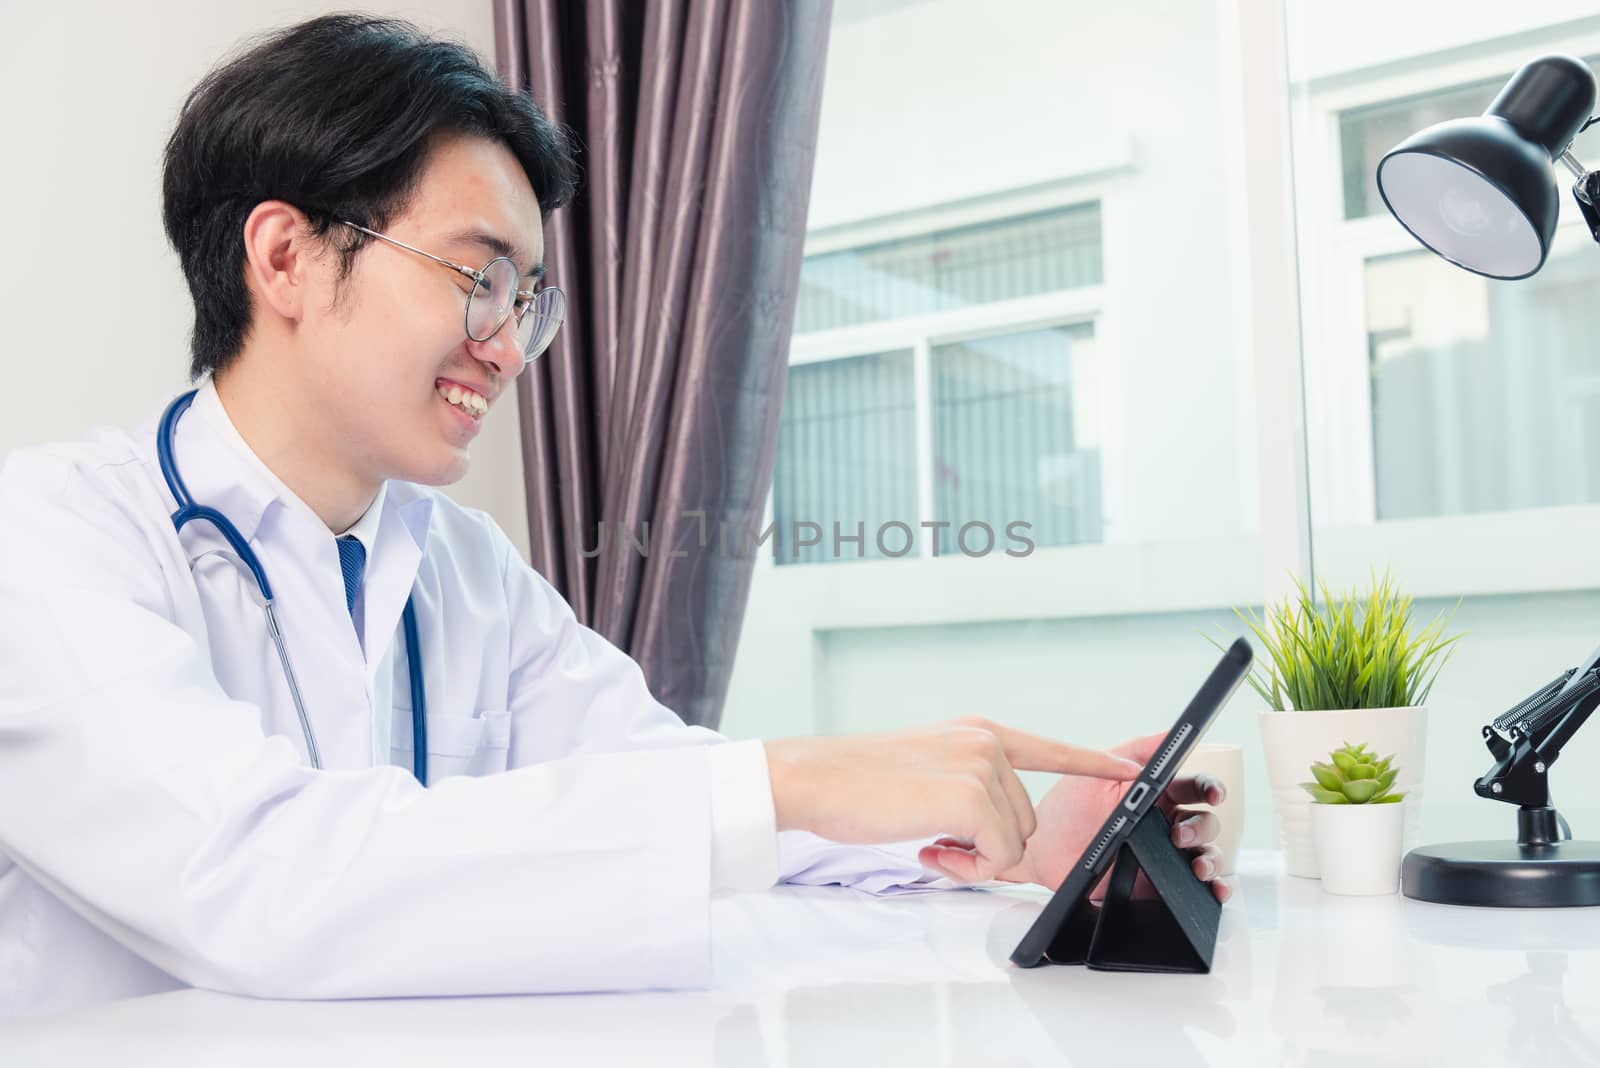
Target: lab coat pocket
462 745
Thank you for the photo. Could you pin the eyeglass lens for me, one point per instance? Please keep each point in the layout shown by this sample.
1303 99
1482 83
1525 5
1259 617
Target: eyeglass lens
491 300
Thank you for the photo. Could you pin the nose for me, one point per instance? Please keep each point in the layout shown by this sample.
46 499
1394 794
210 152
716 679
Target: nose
500 352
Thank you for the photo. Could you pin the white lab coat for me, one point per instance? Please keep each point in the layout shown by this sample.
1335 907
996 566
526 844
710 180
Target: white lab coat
160 823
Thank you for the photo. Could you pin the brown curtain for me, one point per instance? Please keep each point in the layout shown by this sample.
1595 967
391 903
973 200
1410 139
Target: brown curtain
650 427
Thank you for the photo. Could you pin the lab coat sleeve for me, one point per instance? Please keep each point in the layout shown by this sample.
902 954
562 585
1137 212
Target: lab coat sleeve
573 691
744 839
891 869
153 805
749 853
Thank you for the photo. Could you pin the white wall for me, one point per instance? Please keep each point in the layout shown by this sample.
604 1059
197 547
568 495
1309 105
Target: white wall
91 92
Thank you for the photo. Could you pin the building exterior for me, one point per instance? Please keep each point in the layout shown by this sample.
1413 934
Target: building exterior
1043 286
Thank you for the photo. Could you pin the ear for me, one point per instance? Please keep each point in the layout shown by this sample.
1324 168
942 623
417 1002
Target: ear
279 265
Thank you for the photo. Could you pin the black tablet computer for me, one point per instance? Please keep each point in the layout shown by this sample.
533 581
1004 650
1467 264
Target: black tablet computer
1140 798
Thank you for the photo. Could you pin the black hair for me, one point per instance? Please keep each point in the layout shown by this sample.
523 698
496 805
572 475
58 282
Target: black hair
337 116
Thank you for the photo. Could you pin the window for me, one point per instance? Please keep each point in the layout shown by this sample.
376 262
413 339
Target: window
1452 420
1366 133
1477 392
956 268
998 451
847 454
1137 392
1015 437
1483 393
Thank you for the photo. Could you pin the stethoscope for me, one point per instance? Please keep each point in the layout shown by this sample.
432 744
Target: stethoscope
188 510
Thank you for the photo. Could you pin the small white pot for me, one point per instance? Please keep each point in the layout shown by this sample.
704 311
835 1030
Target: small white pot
1359 846
1294 740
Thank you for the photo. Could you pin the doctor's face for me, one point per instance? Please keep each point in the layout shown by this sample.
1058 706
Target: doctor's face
395 350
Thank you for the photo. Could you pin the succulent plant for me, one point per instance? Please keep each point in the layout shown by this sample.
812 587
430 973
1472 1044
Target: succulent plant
1353 776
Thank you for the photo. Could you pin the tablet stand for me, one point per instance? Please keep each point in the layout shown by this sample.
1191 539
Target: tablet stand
1175 931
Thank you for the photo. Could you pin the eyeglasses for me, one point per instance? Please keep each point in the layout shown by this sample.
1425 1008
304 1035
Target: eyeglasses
494 298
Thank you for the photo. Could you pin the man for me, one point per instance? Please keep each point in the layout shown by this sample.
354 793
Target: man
196 791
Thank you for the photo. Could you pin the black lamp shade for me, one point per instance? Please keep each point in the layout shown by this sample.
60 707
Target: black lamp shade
1480 192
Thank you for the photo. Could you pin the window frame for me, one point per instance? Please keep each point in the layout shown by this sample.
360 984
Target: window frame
922 333
1333 256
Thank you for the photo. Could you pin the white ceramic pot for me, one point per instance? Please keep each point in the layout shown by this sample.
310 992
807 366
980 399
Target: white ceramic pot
1359 846
1294 740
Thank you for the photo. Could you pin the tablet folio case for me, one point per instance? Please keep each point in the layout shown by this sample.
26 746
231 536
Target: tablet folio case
1174 931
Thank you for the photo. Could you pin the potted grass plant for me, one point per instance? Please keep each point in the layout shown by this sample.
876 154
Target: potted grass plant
1350 666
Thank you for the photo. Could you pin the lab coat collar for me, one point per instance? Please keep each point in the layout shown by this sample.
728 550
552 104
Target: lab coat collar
233 480
365 529
246 500
392 566
223 472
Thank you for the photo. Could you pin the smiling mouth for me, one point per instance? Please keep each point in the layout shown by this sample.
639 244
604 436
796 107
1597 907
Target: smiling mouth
474 404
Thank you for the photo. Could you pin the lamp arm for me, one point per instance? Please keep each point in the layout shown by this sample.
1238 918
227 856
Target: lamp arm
1526 740
1550 741
1586 185
1586 191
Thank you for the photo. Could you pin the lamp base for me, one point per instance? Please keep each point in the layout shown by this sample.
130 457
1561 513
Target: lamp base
1504 874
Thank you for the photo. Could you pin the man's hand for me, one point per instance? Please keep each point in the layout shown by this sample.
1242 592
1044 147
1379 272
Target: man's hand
1072 813
954 778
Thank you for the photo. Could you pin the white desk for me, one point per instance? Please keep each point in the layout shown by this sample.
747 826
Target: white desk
811 976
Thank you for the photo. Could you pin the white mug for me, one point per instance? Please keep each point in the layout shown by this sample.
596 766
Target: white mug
1225 763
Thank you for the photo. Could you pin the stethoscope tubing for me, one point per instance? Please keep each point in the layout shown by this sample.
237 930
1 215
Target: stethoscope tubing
187 511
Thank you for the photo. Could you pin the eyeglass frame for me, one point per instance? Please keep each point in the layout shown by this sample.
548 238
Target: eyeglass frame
477 276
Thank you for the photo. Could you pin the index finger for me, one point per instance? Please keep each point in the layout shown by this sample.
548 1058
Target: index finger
1031 752
1142 749
1193 789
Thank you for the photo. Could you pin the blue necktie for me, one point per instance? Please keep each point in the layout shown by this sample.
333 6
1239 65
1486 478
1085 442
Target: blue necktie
352 558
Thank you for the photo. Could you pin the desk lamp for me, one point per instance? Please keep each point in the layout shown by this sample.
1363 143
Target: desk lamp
1480 193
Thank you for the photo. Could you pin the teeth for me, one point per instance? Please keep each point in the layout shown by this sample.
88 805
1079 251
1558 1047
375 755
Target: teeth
465 399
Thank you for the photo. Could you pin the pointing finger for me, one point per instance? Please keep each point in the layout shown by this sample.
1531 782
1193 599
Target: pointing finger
1031 752
1140 749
